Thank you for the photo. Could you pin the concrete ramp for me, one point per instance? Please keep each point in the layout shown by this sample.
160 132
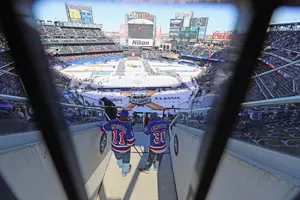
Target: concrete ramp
135 186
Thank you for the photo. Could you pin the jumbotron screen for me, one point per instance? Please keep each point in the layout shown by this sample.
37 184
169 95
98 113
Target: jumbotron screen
140 31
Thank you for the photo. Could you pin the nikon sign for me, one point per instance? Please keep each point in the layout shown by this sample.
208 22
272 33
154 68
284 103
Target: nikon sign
140 42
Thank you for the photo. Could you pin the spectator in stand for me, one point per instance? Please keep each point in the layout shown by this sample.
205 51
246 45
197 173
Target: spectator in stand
146 121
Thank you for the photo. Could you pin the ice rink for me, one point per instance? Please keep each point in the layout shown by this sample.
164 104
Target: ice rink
132 74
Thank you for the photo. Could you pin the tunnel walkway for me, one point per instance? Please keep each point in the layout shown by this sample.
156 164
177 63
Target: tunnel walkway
158 185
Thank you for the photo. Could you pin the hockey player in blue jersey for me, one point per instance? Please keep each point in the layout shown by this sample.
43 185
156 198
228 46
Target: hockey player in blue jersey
157 129
122 140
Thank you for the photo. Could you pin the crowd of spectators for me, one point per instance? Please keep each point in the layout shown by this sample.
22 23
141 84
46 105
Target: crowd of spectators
88 56
3 42
275 126
18 116
10 83
151 54
76 49
76 40
49 31
283 39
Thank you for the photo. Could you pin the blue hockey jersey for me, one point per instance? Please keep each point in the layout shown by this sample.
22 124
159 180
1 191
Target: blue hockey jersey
157 129
122 134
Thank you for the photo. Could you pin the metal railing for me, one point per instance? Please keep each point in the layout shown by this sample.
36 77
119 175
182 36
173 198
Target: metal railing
20 117
284 100
23 99
281 113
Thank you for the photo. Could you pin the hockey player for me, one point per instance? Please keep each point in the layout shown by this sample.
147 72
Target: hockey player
122 140
157 129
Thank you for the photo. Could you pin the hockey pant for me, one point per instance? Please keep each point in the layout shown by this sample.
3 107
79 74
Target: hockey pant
123 161
151 156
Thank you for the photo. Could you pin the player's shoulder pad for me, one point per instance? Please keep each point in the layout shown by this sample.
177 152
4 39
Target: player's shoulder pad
113 120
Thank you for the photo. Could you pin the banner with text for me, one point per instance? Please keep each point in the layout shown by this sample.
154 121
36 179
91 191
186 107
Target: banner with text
140 42
176 23
188 33
158 32
201 34
173 32
122 33
218 35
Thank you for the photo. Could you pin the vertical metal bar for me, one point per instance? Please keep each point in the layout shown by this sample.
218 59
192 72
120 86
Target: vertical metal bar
31 63
224 113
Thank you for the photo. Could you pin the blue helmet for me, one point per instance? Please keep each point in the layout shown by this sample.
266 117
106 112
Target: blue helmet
124 114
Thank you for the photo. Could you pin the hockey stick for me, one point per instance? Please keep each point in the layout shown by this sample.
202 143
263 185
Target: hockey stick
138 152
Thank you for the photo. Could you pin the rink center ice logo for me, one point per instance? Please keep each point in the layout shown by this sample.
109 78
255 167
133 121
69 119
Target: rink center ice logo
139 100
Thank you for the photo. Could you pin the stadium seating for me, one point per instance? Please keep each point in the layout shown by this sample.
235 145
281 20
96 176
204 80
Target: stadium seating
62 40
275 127
272 126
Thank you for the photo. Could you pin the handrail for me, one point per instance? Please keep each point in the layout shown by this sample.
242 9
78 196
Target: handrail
23 99
20 99
12 98
173 121
8 64
276 69
168 108
284 100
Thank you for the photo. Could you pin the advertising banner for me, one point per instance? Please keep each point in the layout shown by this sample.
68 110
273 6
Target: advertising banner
188 33
201 34
122 33
175 23
75 15
184 14
217 35
140 15
174 32
158 32
140 42
86 16
186 22
199 22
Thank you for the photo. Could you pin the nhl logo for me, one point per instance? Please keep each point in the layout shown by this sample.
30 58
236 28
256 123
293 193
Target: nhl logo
176 145
103 142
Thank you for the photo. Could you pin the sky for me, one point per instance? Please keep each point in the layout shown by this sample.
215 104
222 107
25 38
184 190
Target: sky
222 17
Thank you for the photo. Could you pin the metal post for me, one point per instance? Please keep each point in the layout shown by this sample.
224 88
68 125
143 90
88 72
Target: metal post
225 110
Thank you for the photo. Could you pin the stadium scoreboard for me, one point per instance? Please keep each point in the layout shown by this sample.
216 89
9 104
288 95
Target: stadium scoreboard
187 27
140 29
79 13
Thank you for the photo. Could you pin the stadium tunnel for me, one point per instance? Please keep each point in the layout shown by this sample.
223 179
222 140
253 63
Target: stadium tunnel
60 162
